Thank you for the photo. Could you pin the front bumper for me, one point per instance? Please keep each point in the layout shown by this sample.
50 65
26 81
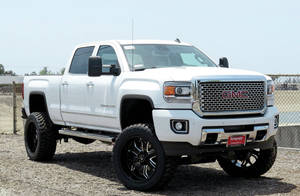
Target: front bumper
199 127
183 148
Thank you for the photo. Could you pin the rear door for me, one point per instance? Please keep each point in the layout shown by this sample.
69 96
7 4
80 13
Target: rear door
75 106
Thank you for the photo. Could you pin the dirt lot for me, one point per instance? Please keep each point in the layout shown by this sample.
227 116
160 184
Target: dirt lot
86 170
6 114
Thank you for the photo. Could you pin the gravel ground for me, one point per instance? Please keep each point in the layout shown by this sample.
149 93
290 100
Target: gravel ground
6 114
86 170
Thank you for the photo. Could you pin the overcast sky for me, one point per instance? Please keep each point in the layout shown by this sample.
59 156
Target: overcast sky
260 35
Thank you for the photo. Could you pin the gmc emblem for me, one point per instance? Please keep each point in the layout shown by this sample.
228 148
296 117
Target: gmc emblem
235 94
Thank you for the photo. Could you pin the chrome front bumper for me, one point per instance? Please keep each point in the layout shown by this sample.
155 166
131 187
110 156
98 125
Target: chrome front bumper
223 136
200 127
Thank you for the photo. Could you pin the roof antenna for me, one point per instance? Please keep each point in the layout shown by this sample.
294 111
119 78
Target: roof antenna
132 50
177 40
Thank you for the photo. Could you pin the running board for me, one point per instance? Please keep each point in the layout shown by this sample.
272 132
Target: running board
103 138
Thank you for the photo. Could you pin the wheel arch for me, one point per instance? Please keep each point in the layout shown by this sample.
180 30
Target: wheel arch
129 104
38 103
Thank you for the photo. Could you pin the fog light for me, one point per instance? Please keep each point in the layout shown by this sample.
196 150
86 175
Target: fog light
180 126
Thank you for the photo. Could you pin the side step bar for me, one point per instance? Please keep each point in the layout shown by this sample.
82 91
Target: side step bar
103 138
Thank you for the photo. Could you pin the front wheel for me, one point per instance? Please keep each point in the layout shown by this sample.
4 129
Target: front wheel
250 163
139 159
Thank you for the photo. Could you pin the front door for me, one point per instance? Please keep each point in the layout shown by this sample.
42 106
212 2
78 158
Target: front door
102 94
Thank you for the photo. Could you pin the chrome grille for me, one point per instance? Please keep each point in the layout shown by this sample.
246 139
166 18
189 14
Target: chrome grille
231 96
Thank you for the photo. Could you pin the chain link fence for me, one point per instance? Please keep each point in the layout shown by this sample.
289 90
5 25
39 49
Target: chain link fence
7 109
287 100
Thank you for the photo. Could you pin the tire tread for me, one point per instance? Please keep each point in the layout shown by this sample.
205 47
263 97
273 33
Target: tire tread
263 164
170 163
47 137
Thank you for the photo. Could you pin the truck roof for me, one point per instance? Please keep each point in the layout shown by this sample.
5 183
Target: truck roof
151 42
125 42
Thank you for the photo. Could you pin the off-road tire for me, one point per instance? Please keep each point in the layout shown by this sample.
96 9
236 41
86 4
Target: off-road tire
263 164
46 134
165 165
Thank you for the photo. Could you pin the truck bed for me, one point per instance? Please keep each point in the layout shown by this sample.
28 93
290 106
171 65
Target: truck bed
49 86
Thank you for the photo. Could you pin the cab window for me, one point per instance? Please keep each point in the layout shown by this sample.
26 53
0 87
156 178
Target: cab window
108 56
80 60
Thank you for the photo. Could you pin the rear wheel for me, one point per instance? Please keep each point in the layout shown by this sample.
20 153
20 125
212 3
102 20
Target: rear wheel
139 159
250 163
40 137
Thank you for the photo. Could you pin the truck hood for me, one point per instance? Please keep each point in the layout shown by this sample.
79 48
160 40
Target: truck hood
190 73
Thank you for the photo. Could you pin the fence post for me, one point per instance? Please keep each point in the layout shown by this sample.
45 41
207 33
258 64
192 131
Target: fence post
14 108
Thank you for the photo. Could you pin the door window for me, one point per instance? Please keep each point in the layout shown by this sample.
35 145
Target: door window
108 56
80 60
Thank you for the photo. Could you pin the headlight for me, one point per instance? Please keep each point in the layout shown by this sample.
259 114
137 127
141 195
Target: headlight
270 92
178 91
271 87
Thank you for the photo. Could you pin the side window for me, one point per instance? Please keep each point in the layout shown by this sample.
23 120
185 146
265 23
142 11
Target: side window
80 60
108 56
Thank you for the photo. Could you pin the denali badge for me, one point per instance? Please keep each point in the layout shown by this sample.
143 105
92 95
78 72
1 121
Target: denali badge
235 94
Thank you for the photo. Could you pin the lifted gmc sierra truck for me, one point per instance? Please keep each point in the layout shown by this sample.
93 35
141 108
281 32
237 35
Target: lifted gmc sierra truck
161 103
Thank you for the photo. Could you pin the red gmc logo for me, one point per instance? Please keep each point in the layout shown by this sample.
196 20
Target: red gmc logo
235 94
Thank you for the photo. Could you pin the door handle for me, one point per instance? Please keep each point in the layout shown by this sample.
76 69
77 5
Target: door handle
64 83
90 84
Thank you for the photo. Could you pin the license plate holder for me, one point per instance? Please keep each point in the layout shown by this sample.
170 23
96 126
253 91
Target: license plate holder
237 140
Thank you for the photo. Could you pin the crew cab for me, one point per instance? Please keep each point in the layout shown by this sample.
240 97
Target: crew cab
161 104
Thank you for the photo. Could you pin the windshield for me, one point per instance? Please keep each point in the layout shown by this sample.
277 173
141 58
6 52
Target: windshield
145 56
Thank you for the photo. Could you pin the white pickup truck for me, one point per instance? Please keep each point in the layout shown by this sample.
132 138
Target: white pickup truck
161 103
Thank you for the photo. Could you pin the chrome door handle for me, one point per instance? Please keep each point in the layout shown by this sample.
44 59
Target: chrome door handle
64 83
90 84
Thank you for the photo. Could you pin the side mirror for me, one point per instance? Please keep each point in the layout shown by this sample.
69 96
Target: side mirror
111 70
115 70
223 62
95 66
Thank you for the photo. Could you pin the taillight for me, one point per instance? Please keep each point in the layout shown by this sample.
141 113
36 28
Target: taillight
22 90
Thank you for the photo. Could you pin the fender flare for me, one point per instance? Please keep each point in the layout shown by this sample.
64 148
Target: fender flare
132 96
45 101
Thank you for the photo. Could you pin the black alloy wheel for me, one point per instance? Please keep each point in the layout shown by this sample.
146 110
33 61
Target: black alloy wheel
32 137
139 159
250 163
246 158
